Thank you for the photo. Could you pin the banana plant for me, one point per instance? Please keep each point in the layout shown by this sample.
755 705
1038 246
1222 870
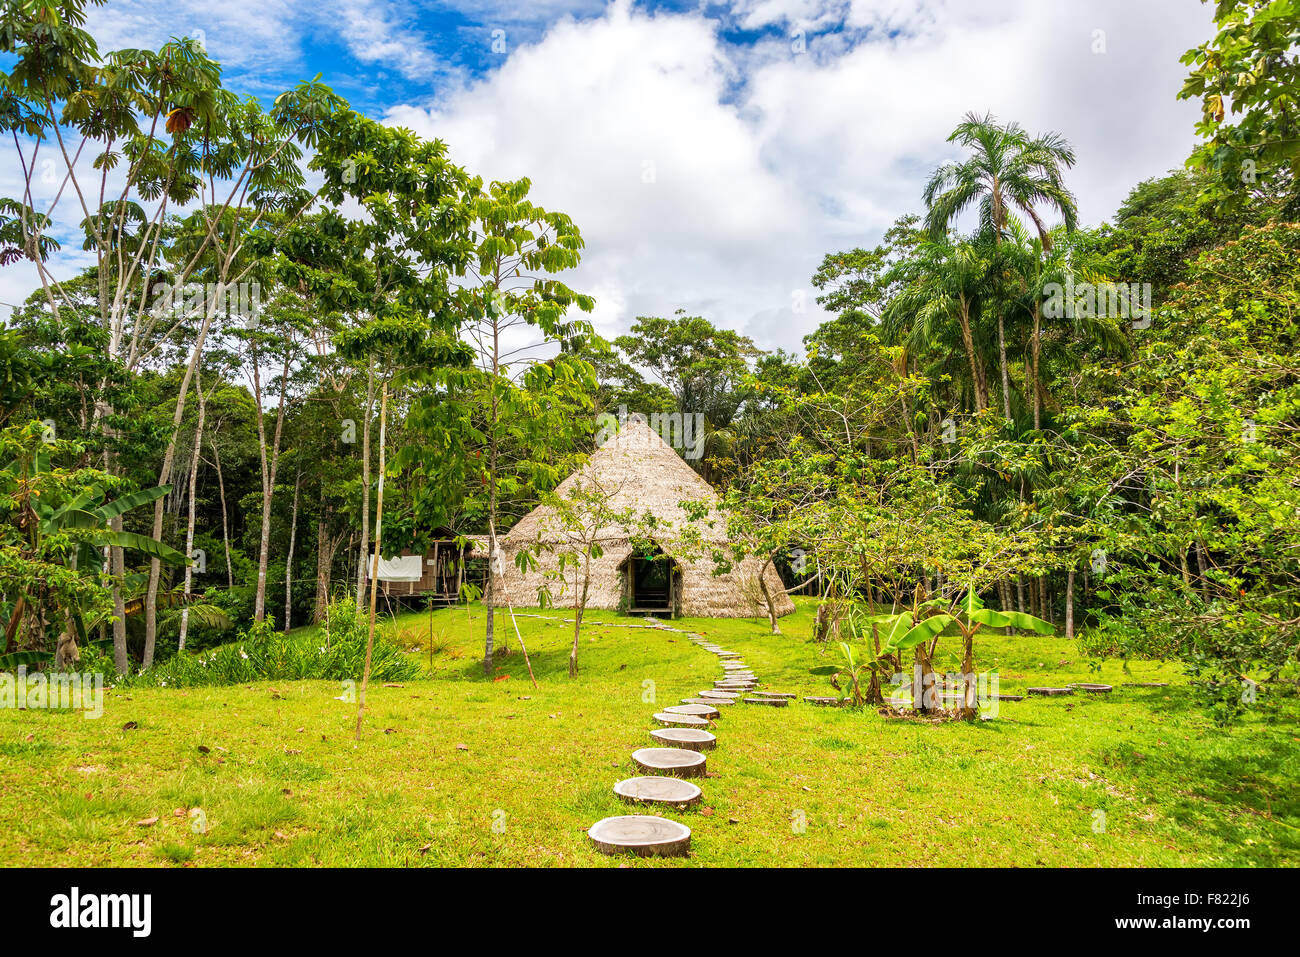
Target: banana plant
972 615
64 540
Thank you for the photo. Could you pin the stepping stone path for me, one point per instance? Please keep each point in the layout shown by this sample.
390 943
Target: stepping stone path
699 710
685 738
675 761
681 720
656 790
642 835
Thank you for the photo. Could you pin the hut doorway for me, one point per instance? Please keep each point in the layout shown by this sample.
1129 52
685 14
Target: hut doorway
651 584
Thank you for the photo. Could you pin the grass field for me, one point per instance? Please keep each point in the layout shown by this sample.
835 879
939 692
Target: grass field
455 769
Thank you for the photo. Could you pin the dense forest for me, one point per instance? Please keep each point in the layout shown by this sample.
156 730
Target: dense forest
1094 425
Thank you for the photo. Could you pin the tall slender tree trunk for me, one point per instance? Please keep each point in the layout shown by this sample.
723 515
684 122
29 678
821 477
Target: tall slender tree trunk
493 555
324 561
268 484
155 566
288 561
374 564
225 519
976 367
581 603
1002 360
189 519
1069 604
1035 350
365 480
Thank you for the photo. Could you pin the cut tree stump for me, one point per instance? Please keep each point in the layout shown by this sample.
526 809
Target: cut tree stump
688 738
1092 688
676 761
699 710
681 720
1146 684
642 835
1050 692
824 702
715 693
770 702
708 702
1010 697
778 694
659 790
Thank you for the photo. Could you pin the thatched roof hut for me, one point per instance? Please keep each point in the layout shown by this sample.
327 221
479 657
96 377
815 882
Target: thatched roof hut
673 571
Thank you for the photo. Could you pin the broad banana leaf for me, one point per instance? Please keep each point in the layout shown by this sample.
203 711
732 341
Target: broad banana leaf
925 629
16 658
894 629
71 518
143 543
1013 619
144 496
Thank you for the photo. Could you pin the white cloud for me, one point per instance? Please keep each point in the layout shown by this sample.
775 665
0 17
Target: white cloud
714 177
762 161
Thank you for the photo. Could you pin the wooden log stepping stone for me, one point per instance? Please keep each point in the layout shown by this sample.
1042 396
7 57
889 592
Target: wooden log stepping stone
734 665
771 702
659 790
681 720
707 701
690 738
728 655
824 702
1050 692
715 693
779 694
699 710
641 834
675 761
1010 697
1146 684
1092 688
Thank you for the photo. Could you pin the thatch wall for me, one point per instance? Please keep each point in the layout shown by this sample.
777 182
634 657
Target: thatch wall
644 474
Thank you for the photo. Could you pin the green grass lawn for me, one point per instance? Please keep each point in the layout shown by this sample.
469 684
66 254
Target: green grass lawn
455 769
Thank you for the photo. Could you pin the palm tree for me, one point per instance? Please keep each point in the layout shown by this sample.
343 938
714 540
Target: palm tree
1034 266
1007 170
941 282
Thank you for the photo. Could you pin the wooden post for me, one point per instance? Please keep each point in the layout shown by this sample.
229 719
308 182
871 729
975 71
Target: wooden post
374 565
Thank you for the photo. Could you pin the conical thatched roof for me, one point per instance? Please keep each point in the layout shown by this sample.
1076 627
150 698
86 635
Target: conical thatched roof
639 471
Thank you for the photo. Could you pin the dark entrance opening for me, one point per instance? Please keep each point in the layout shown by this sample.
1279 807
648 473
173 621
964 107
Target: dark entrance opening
652 584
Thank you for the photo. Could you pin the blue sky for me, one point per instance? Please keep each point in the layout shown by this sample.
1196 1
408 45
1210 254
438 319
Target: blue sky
713 153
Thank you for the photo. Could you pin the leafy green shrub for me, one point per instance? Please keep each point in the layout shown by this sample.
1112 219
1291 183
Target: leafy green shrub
336 653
